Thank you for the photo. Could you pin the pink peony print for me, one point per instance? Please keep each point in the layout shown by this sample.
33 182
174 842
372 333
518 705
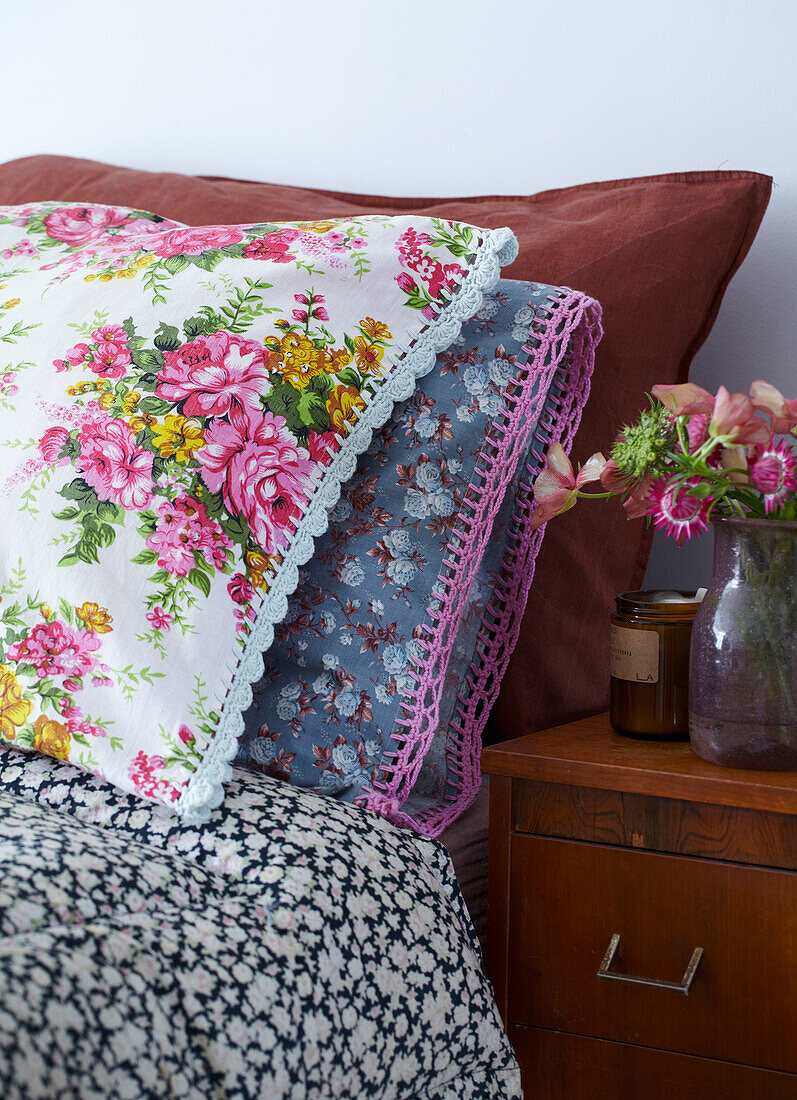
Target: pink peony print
142 774
191 241
111 462
273 246
55 649
77 225
52 443
111 359
214 373
262 472
183 527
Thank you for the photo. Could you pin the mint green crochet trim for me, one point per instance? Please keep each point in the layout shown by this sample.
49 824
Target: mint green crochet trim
205 789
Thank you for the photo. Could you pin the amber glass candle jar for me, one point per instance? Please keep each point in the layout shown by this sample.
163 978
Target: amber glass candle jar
650 636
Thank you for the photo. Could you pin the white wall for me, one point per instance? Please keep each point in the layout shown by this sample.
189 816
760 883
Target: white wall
437 97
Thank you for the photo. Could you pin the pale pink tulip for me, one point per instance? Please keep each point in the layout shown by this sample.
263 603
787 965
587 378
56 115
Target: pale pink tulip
556 487
734 419
783 413
684 399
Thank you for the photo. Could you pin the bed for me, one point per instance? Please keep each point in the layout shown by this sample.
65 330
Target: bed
297 945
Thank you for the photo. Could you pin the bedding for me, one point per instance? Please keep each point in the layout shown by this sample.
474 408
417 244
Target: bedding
276 951
368 649
180 456
658 252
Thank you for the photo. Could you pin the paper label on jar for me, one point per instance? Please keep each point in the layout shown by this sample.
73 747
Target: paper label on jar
635 655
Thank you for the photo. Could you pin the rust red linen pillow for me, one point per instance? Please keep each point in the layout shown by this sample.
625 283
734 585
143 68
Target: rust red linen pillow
658 252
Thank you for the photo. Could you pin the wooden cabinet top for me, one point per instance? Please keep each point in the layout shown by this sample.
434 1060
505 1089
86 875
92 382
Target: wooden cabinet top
589 753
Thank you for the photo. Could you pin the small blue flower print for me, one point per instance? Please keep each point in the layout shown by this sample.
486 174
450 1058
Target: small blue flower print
345 758
524 316
321 684
490 404
401 571
416 504
487 309
341 511
291 691
442 502
328 621
429 475
371 748
263 750
398 542
500 370
377 607
426 426
346 703
330 661
476 379
382 694
352 573
415 651
464 414
287 709
394 658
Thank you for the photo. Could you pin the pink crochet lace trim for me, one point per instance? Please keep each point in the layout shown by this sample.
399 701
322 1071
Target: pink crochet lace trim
561 359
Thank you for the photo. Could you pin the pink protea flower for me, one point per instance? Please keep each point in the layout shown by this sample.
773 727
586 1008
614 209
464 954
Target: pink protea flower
191 241
111 462
55 649
783 413
556 487
213 373
734 419
185 735
263 473
676 511
77 225
774 473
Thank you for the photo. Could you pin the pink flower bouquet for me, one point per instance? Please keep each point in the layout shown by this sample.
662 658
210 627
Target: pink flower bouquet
691 455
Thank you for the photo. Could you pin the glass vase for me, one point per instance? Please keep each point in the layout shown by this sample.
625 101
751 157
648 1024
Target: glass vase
743 661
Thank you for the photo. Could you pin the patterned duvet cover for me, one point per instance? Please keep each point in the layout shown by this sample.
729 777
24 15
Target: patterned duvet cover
293 946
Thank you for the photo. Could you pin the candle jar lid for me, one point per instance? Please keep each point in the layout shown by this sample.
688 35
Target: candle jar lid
659 605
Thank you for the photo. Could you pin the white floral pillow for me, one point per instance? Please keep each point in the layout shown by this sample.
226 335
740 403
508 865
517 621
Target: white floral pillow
178 409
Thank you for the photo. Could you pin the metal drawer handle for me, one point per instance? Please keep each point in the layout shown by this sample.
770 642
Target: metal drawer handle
614 950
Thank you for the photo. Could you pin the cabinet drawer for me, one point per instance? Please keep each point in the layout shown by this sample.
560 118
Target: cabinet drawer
567 899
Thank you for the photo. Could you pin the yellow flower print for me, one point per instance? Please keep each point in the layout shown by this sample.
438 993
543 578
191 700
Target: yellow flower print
317 227
52 738
257 564
130 402
14 709
336 360
95 618
11 303
375 330
342 404
136 423
178 437
368 356
45 611
300 359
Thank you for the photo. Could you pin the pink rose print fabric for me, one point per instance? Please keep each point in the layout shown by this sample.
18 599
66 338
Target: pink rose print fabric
180 408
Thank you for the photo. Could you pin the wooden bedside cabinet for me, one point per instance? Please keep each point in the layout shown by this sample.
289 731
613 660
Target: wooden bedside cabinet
642 925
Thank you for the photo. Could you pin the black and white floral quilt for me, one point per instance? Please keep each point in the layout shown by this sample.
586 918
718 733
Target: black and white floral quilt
292 946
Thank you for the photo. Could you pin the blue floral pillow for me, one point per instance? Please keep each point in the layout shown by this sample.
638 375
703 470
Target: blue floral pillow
378 683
